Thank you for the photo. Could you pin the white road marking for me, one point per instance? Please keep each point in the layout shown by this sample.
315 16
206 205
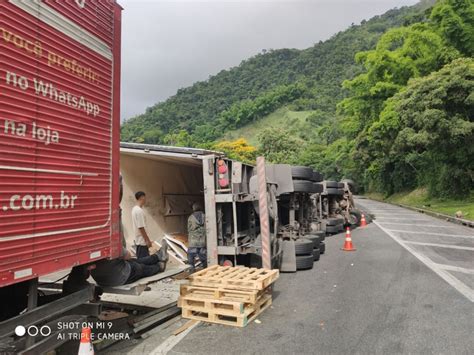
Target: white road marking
431 233
449 246
418 225
444 274
456 268
171 342
382 215
402 218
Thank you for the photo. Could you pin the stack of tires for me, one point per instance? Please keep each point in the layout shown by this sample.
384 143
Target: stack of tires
334 188
309 250
334 225
304 254
306 180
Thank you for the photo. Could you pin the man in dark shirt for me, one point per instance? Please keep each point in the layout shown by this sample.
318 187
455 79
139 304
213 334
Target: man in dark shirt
197 237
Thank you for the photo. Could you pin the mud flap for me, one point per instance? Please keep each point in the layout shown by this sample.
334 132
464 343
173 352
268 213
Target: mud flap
288 263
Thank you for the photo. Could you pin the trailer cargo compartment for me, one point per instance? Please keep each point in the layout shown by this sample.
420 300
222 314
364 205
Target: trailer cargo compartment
59 135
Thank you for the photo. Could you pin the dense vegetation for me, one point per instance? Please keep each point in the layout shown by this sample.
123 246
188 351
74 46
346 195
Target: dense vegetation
408 119
203 109
391 99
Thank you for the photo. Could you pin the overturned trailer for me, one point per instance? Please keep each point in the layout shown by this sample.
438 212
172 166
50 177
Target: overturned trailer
174 178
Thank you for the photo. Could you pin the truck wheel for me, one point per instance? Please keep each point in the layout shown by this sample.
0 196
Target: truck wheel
316 254
301 172
333 184
334 191
304 262
322 248
334 221
321 234
351 184
317 188
317 177
316 239
332 229
303 247
355 217
303 186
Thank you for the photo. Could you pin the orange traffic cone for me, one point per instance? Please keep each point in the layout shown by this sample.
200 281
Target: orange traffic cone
363 222
85 346
348 243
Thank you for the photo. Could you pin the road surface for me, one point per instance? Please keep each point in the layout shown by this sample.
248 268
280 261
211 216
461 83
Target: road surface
406 289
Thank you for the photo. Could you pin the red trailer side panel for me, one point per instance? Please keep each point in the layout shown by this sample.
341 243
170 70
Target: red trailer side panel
59 135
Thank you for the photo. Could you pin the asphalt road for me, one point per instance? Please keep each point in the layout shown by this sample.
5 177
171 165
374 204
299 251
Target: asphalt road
407 289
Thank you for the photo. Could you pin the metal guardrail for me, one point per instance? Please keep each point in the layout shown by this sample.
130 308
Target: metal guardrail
460 221
445 217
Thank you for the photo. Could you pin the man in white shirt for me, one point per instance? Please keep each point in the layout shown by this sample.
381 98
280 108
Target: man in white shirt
142 241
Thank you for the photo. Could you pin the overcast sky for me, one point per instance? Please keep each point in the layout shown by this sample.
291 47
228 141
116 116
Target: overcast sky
170 44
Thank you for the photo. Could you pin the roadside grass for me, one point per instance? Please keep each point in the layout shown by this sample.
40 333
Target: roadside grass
419 198
293 121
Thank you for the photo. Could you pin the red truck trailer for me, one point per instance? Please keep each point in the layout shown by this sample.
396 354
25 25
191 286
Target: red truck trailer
59 135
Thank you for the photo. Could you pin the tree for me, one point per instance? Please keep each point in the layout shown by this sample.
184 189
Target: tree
179 139
454 19
239 150
278 146
402 53
425 133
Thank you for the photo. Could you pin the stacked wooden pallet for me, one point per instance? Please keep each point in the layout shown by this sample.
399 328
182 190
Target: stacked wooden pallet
227 295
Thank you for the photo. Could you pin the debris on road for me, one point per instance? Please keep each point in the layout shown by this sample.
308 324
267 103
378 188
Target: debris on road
185 326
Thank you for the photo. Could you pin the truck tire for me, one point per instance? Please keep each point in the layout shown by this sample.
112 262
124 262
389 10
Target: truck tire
340 185
351 184
303 246
316 239
316 254
334 221
302 186
333 184
301 172
317 176
355 217
317 188
304 262
322 248
321 234
332 229
334 191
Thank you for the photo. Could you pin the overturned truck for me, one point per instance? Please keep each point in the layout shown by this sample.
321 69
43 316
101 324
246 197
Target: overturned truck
302 207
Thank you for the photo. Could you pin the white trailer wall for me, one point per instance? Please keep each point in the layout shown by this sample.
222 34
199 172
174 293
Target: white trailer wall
171 185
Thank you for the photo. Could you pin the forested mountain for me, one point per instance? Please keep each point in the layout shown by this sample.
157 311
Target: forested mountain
200 110
389 103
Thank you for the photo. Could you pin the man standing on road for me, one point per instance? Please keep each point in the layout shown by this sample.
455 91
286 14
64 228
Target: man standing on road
197 237
142 241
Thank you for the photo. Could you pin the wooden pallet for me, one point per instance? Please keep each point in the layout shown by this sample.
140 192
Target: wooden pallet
219 316
240 278
230 308
218 293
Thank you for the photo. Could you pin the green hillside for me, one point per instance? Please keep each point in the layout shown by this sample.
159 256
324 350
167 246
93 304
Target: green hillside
200 109
388 103
283 118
